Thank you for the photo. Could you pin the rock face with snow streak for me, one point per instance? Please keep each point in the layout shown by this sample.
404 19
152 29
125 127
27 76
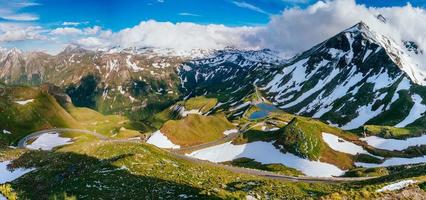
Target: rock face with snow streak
354 78
230 74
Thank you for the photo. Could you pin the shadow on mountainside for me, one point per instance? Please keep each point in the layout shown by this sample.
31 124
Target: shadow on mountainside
60 175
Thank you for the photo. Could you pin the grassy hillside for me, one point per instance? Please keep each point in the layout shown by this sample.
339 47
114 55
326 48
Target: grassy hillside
109 125
200 103
41 111
304 138
196 129
24 110
392 132
125 170
128 171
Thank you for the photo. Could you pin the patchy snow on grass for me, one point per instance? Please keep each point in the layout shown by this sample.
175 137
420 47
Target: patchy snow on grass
365 113
243 105
230 131
24 102
394 144
265 153
266 129
185 113
396 186
48 141
342 145
160 140
7 175
394 162
416 111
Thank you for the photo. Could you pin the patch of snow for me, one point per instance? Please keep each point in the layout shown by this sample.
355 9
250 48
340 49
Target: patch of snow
416 111
381 80
365 113
160 140
6 132
24 102
185 113
266 129
394 144
396 186
245 104
48 141
132 65
342 145
7 176
265 153
394 162
366 55
316 88
403 85
230 131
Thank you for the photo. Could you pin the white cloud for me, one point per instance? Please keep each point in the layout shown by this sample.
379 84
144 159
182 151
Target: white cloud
92 43
20 17
71 23
296 29
11 10
292 31
63 31
92 30
246 5
18 33
188 14
182 35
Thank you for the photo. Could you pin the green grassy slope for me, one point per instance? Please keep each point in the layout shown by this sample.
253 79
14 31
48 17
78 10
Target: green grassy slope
131 171
304 138
124 170
42 113
196 129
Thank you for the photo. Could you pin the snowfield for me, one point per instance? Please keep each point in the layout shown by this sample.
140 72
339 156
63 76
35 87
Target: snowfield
394 162
7 176
266 153
394 144
48 141
230 131
24 102
185 113
160 140
416 111
341 145
396 186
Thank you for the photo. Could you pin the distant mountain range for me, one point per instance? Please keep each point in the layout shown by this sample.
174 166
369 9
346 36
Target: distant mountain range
357 77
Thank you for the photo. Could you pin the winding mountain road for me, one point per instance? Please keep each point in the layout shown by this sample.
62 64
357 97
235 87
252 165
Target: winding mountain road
23 142
271 175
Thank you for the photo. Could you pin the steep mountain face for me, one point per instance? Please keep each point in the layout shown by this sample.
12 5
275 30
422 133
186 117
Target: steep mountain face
229 75
354 78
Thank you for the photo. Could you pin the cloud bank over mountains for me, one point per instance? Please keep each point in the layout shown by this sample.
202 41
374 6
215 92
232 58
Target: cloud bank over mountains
291 32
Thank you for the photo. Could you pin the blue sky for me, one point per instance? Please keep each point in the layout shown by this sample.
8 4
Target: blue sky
29 23
119 14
